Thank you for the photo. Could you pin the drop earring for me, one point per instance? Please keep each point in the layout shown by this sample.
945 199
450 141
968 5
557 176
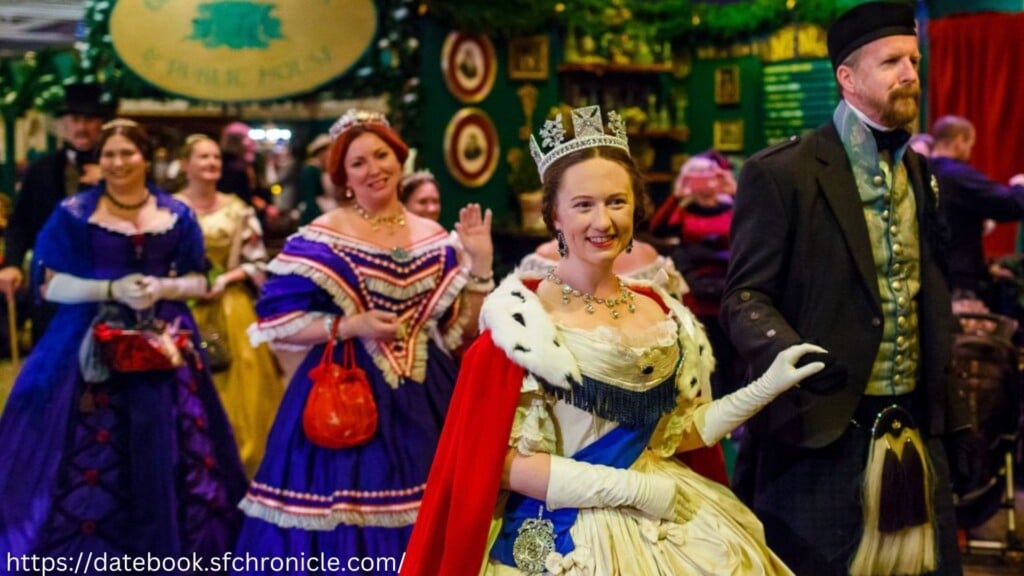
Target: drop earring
563 249
629 246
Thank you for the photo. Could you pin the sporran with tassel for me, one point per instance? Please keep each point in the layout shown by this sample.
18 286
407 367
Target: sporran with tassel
899 522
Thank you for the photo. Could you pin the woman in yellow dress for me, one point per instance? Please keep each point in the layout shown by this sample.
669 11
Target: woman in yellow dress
245 376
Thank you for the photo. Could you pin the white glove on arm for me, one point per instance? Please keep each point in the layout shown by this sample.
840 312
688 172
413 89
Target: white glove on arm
573 484
68 289
180 288
723 415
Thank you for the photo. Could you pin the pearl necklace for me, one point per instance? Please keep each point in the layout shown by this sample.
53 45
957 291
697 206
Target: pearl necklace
392 221
124 206
568 292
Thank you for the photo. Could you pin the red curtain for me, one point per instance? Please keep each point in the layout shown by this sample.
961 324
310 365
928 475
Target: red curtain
975 71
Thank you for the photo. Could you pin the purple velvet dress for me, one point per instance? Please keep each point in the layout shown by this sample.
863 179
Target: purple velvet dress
360 501
140 463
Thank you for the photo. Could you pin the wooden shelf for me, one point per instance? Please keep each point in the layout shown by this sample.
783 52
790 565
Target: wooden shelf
681 135
601 69
659 177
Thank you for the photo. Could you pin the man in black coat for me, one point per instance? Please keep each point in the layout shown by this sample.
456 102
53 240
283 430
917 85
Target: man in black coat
50 179
835 240
969 198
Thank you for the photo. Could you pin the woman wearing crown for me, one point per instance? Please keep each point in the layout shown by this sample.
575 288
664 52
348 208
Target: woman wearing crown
558 454
388 282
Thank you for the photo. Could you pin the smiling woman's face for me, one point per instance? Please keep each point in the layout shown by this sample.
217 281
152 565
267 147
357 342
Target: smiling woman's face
594 210
372 169
122 163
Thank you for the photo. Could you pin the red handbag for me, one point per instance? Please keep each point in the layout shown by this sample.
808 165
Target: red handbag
340 410
152 347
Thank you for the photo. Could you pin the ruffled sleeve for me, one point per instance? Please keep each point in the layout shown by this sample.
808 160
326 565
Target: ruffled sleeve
191 255
252 253
301 289
451 309
693 381
673 282
62 244
533 429
534 264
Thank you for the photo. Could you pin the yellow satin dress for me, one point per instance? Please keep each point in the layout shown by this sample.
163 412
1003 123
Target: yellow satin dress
250 388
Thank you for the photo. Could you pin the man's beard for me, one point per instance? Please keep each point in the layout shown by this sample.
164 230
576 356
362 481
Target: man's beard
901 106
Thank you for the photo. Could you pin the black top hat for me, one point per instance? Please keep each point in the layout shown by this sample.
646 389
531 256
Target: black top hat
866 23
86 100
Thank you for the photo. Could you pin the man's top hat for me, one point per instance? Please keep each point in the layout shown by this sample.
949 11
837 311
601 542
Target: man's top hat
86 100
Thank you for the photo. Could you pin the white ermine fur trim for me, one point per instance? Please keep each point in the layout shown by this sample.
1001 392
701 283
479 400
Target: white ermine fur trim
521 327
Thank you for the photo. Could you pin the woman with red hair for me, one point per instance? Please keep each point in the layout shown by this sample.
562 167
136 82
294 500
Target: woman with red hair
386 282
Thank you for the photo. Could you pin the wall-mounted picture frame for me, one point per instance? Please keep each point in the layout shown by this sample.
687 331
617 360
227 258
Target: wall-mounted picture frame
471 147
728 135
468 66
528 58
727 85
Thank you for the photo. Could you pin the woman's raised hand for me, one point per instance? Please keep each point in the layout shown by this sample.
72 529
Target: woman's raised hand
474 230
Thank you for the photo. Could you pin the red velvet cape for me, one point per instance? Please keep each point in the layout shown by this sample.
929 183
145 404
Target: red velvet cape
450 536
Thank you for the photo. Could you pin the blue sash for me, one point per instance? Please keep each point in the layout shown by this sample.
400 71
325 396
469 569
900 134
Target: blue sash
618 449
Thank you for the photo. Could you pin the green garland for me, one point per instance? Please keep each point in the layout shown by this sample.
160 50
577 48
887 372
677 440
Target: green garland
391 67
690 20
502 19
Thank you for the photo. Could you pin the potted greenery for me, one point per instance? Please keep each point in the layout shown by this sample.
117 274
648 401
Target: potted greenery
524 182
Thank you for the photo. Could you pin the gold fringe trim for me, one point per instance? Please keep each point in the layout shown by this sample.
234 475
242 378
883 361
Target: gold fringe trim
454 334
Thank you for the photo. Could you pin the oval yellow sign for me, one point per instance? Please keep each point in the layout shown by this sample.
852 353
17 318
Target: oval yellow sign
234 50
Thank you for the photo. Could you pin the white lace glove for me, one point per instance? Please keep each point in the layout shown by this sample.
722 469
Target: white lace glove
725 414
573 484
181 288
68 289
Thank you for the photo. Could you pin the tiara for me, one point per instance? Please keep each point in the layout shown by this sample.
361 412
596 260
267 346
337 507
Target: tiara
119 123
353 117
588 130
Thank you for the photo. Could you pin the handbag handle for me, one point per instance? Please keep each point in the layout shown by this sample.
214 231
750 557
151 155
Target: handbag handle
349 354
329 349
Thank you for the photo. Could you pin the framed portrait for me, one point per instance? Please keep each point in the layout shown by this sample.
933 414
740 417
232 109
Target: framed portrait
468 65
727 85
471 148
528 58
728 135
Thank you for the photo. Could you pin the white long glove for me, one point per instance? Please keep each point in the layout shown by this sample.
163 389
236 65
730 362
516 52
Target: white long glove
723 415
68 289
573 484
181 288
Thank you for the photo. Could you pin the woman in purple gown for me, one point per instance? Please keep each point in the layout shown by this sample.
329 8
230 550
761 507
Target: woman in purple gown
97 463
393 285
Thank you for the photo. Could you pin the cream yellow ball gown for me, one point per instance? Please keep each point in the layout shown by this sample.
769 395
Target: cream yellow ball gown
250 387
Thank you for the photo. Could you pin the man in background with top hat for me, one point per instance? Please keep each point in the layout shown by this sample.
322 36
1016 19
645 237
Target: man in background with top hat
836 241
48 180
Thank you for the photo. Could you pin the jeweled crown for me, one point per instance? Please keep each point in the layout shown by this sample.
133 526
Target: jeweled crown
588 132
353 117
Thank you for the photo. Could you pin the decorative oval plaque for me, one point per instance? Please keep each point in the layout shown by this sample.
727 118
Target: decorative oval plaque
471 147
235 50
